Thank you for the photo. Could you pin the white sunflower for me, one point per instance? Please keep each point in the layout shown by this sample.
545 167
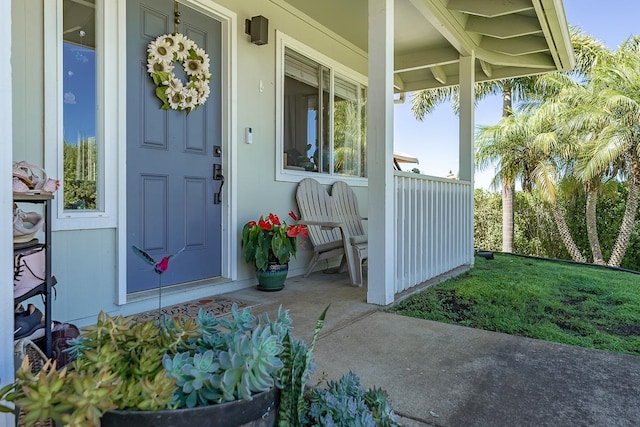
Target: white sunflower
181 46
188 44
157 65
160 50
193 67
190 100
202 86
175 84
175 98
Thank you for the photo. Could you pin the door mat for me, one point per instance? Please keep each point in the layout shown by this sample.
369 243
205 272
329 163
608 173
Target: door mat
217 306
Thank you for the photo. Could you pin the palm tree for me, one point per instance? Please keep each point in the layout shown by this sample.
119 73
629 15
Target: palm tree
587 52
526 145
423 102
607 113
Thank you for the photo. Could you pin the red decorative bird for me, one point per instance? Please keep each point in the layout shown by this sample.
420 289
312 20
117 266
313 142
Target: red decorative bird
158 266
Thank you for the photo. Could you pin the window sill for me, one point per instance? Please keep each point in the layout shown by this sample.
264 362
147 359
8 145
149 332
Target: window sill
297 174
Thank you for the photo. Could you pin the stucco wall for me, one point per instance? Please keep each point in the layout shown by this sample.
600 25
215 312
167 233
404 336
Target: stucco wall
85 261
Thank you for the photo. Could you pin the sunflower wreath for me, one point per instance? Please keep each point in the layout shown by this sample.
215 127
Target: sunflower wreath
162 53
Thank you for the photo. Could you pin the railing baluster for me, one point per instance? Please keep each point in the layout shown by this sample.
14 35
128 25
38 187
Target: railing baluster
434 227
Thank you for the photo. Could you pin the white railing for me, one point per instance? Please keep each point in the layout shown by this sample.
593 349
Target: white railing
434 227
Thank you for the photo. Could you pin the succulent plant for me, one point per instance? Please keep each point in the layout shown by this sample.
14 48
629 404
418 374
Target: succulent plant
344 402
298 359
230 359
125 364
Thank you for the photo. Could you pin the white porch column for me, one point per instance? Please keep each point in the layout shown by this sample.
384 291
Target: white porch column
381 285
467 123
6 207
467 132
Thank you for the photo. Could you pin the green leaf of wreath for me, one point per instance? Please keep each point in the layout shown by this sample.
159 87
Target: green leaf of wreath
159 77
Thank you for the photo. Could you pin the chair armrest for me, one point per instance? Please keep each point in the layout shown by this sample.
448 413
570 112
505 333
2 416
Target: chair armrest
325 225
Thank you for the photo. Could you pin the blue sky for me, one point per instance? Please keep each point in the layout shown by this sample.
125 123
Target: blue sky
435 140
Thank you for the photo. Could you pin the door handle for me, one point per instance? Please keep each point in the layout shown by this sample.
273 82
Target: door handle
217 176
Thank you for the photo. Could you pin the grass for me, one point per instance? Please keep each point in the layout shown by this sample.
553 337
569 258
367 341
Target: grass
560 302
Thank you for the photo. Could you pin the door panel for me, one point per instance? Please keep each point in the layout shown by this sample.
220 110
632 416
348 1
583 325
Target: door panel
170 156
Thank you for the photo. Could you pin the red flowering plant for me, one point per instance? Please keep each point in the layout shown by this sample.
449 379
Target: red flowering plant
271 240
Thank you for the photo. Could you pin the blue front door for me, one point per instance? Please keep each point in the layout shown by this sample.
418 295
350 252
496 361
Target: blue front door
170 156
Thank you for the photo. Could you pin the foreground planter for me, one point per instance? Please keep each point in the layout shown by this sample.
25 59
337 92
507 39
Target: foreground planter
262 411
272 279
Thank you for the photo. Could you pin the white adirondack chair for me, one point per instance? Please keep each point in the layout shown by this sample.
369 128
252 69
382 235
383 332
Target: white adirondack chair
317 212
356 248
331 221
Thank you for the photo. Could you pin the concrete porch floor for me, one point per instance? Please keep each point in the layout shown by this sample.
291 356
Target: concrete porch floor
306 298
445 375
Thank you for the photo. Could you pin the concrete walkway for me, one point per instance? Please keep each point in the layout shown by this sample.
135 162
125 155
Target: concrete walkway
445 375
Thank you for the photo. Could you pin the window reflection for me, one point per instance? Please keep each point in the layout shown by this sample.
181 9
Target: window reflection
321 136
81 151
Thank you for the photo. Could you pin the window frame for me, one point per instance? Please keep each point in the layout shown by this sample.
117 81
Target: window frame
108 75
284 42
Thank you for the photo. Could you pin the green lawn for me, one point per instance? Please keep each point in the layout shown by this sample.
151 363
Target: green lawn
565 303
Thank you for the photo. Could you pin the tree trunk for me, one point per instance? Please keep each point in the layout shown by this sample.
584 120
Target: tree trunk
507 189
565 234
592 229
628 220
507 217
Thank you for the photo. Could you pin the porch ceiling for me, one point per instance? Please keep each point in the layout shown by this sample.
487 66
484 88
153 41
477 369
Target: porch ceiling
510 38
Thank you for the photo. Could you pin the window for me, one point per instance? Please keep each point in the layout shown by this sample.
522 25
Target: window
79 111
83 110
323 119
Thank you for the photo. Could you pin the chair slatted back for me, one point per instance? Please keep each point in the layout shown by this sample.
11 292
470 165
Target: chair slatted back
345 204
315 205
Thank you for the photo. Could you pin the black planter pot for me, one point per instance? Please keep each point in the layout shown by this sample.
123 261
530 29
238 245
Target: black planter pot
262 411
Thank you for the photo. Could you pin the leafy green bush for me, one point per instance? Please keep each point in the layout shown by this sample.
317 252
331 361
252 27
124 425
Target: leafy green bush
535 231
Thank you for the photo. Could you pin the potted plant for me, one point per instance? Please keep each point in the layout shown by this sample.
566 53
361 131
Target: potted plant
269 244
205 371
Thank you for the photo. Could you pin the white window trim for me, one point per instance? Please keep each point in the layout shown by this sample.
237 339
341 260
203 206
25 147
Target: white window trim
107 39
288 175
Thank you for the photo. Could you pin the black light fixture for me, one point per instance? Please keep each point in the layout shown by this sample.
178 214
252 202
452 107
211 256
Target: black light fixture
258 28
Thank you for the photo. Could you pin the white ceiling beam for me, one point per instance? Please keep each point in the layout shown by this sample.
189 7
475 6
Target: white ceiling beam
439 74
534 60
447 22
398 84
487 69
551 13
497 73
428 84
516 46
490 8
425 59
504 27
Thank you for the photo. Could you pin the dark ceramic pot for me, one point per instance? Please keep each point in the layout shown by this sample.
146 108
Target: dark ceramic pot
262 411
272 279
